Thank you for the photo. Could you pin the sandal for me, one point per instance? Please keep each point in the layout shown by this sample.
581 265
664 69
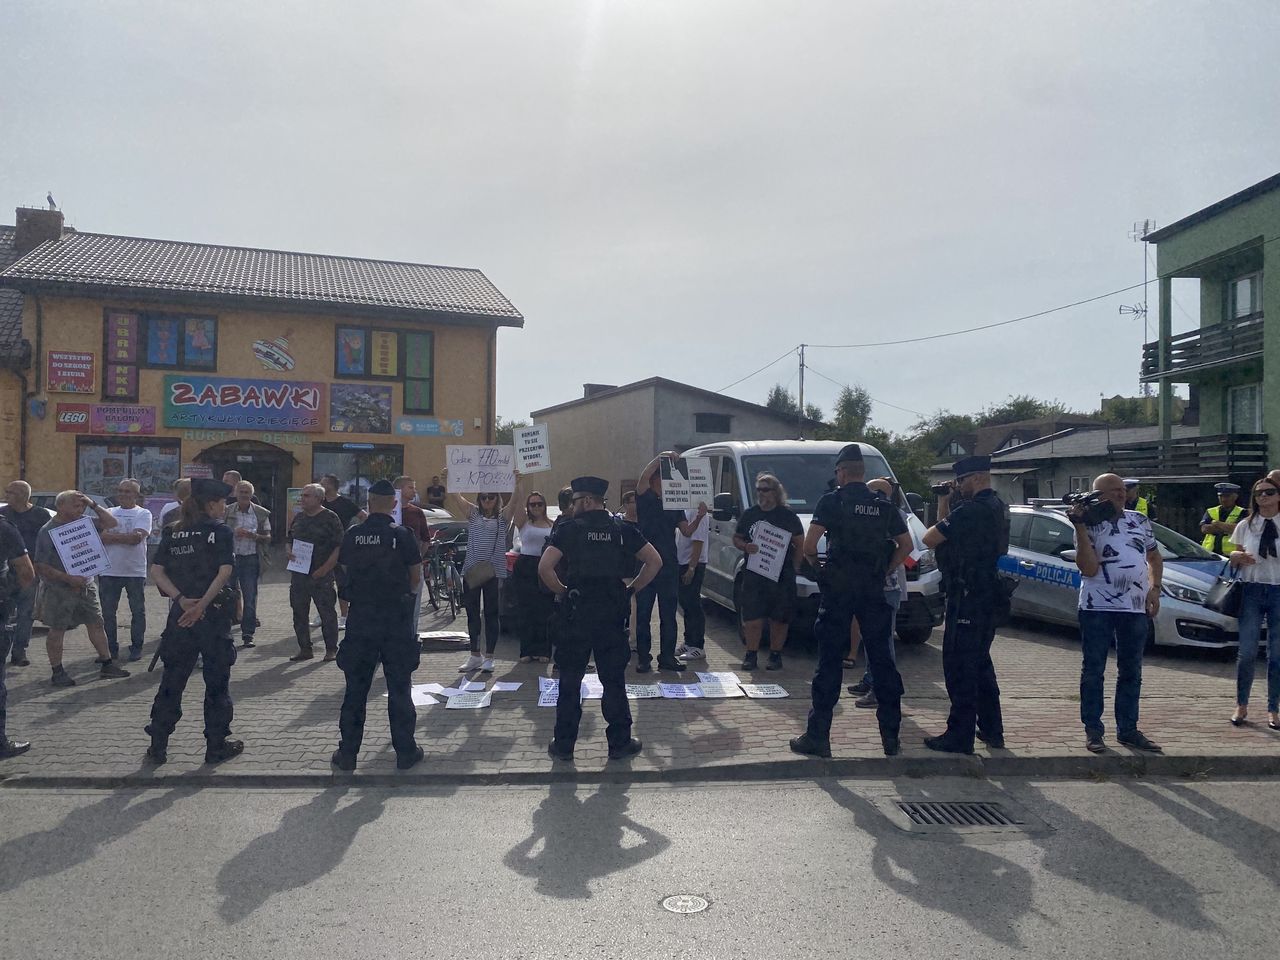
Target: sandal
1239 717
1274 722
526 659
848 664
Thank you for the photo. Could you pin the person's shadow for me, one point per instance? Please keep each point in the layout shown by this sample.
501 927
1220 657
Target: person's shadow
310 841
574 841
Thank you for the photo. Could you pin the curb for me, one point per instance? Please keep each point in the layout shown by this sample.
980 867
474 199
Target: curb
869 768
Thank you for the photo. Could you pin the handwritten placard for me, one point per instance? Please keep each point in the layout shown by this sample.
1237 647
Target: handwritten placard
80 548
474 469
772 541
533 448
686 482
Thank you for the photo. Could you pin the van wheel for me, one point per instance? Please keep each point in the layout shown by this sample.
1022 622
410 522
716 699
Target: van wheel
913 636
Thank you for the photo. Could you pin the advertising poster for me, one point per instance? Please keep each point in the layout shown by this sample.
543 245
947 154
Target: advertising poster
384 354
69 372
359 408
120 381
106 418
429 427
221 403
121 342
71 418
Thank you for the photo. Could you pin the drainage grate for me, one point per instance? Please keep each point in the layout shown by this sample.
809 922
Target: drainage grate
951 813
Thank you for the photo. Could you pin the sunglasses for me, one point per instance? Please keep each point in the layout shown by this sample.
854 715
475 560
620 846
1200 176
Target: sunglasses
766 489
488 496
535 503
1268 492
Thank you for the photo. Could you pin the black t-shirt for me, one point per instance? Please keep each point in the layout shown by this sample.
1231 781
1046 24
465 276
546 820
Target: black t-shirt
28 522
657 525
598 550
782 517
191 557
11 547
435 496
377 555
344 508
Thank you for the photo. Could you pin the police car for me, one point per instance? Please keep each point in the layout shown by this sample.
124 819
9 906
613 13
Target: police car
1041 558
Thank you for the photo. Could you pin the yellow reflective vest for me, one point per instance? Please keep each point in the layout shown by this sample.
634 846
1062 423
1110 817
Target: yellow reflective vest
1218 542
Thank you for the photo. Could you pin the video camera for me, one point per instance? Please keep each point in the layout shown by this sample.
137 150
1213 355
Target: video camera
1096 509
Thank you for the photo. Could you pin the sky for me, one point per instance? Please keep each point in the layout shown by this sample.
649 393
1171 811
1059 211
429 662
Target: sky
675 188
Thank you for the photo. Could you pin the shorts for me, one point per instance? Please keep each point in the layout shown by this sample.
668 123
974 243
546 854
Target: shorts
763 599
62 608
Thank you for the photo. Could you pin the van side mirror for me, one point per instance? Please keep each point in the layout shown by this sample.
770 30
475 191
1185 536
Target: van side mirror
916 504
723 508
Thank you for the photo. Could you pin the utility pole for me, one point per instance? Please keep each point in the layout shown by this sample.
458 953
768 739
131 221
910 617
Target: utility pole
800 418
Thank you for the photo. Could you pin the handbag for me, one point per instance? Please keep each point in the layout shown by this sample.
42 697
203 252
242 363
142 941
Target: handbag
479 575
1225 595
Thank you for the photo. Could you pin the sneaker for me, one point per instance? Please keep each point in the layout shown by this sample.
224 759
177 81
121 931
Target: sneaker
860 688
775 661
404 763
343 761
157 753
1093 743
628 749
810 746
945 744
487 665
473 663
643 666
247 643
135 654
342 623
315 622
693 653
110 671
682 651
302 655
1137 740
223 751
750 661
61 678
867 701
13 748
675 666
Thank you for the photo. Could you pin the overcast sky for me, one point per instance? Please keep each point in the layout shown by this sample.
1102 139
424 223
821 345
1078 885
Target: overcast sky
685 188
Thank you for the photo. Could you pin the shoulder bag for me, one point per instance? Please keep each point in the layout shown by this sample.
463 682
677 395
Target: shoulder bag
1225 594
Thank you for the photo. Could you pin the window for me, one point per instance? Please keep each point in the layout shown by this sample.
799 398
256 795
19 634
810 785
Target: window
1080 484
419 361
1244 296
1050 535
1019 526
357 470
102 464
361 353
729 481
1244 409
176 342
712 423
956 449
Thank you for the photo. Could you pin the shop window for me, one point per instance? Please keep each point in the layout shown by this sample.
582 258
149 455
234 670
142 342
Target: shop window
356 470
102 464
362 353
176 342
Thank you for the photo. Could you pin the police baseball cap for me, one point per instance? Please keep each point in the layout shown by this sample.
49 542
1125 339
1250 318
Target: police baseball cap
1222 488
971 465
590 485
207 489
382 488
850 451
1130 483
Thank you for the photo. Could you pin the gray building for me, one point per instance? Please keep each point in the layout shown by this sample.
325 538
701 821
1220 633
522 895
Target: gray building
612 432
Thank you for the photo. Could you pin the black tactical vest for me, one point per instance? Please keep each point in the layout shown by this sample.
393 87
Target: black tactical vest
859 545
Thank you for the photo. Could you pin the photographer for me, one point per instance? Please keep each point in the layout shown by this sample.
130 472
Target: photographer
970 537
1121 570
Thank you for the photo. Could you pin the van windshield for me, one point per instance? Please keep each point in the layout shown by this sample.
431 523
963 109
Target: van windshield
805 476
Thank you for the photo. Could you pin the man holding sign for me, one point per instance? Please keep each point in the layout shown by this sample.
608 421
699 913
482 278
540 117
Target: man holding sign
69 554
771 536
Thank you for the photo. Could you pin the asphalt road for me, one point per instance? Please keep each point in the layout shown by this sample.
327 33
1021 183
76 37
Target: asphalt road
1126 868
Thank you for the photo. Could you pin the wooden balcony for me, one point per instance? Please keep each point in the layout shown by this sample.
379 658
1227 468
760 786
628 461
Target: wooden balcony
1222 455
1215 346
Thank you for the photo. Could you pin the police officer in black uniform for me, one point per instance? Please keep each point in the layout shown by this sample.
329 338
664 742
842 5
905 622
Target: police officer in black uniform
383 568
866 538
192 567
600 553
969 539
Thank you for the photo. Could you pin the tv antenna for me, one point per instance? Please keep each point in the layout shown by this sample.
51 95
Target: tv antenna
1139 231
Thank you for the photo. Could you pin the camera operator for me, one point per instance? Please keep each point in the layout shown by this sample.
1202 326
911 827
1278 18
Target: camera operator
969 539
1121 570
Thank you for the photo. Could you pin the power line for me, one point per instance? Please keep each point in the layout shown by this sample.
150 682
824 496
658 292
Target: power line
883 403
761 370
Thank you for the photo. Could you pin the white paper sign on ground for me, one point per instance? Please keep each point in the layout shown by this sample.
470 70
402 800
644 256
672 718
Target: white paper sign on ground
421 695
680 691
507 686
447 636
592 688
533 448
720 689
764 691
686 482
549 696
772 541
301 562
449 692
80 548
470 686
470 701
429 687
643 691
725 677
548 683
481 469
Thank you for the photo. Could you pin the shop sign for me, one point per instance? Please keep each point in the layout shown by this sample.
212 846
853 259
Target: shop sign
72 418
69 372
116 419
235 404
429 427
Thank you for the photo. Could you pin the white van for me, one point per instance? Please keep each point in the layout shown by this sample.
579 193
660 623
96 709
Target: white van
807 471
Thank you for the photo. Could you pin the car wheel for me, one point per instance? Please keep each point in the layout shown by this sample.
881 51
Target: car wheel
913 636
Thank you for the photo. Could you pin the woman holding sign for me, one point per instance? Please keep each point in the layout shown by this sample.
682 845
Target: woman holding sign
484 569
771 536
534 603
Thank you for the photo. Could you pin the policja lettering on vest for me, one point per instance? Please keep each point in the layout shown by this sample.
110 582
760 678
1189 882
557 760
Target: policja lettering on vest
382 566
866 538
1219 521
599 553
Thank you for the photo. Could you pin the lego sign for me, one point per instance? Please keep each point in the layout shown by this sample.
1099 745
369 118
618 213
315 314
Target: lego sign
69 372
226 404
72 418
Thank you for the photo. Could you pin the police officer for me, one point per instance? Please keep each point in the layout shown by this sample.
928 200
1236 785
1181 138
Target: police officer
969 539
192 567
599 553
1219 522
1134 500
383 570
866 539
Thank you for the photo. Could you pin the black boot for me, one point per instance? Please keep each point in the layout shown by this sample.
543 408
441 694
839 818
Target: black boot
216 753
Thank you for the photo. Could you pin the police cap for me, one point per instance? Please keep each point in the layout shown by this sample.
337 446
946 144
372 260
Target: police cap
971 465
1130 483
1221 488
204 488
382 488
850 451
591 485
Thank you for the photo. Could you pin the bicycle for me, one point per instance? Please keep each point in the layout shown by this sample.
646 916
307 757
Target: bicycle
444 580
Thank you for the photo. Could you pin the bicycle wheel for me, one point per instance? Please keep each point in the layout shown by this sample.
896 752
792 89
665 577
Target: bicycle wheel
455 591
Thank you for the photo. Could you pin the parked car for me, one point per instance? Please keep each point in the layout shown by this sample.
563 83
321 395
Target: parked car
806 469
1042 558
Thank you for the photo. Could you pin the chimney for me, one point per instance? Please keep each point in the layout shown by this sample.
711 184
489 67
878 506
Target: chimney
590 390
34 227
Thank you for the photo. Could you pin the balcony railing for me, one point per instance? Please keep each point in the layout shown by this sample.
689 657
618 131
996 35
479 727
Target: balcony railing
1221 455
1222 343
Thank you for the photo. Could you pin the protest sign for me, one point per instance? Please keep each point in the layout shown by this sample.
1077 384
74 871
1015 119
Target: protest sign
470 701
680 691
533 448
474 469
686 482
643 691
772 541
764 691
80 548
713 689
301 562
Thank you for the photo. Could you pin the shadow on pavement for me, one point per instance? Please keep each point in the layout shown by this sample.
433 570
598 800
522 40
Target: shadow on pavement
575 841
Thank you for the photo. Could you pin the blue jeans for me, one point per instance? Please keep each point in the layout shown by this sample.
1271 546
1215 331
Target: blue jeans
23 614
894 599
1259 599
1098 629
109 590
247 573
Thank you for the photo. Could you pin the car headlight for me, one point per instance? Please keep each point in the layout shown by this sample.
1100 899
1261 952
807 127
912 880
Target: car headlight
1188 594
927 563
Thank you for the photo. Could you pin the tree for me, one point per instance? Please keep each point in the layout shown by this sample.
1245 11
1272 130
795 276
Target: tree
1021 407
852 417
505 430
1129 412
782 400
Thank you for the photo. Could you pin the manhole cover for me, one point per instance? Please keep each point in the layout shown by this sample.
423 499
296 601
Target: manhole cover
685 903
957 813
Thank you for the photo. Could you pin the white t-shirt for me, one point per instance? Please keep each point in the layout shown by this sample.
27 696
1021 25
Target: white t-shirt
169 514
128 560
1122 580
1248 537
684 545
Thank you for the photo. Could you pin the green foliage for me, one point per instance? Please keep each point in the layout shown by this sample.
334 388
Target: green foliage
1130 412
1022 407
505 430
